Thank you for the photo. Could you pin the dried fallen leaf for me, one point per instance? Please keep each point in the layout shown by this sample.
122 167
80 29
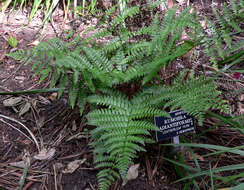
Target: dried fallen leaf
43 100
35 43
132 173
40 122
14 101
59 166
20 164
72 166
45 154
20 78
53 96
241 97
25 108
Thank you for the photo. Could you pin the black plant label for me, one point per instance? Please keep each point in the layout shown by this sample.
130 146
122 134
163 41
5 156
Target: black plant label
179 123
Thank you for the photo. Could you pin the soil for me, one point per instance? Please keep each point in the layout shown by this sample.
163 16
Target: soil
63 133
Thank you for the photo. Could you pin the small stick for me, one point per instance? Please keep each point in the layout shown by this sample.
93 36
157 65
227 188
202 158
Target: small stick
28 185
176 141
31 134
55 177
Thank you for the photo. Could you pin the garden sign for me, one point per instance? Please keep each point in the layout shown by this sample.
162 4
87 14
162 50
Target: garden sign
179 123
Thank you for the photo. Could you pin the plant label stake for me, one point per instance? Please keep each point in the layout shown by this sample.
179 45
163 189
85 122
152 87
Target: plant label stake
176 140
178 124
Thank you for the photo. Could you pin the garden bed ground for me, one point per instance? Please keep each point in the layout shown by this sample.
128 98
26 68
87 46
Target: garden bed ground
55 125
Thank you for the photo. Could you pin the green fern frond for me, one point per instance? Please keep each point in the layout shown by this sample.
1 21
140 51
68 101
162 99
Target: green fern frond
55 77
129 12
114 102
19 55
195 96
223 43
98 59
121 130
73 93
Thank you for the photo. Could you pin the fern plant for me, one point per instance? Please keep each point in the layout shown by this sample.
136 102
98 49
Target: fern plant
195 95
87 66
122 59
224 46
159 46
122 129
121 132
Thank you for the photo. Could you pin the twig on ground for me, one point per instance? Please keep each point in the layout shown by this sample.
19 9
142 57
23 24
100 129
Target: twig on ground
4 88
91 186
6 154
30 171
28 185
28 178
55 177
31 134
16 129
8 172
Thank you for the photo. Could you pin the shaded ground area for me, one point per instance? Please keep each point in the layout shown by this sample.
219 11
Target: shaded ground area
62 134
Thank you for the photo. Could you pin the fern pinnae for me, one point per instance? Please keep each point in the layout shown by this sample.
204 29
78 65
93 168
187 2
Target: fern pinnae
129 152
45 73
112 45
141 99
103 180
81 61
147 112
225 27
73 93
122 136
109 115
114 102
129 12
19 55
234 6
119 131
55 77
143 125
40 67
102 33
96 59
229 18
